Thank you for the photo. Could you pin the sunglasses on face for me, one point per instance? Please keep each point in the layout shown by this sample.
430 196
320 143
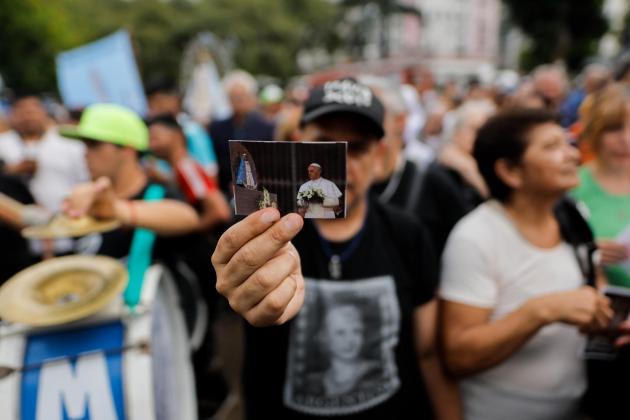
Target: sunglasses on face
91 144
355 147
95 144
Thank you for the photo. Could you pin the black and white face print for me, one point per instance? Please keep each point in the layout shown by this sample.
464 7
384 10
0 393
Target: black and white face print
341 351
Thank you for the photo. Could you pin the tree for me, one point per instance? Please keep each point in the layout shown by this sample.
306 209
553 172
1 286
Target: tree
267 34
559 29
31 33
385 10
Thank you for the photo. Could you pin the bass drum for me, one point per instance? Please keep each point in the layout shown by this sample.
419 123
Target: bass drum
116 364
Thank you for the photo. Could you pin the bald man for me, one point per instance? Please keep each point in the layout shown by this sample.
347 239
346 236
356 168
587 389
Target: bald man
317 210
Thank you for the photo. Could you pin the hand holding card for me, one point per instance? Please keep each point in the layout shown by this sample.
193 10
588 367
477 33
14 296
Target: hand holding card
258 269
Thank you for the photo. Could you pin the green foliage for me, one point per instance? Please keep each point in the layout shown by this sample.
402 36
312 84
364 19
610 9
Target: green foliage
559 29
31 33
268 33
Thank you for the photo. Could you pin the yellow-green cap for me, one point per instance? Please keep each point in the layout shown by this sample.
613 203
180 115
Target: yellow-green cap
110 123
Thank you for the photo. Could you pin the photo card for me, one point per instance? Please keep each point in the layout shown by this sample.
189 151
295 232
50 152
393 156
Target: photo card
308 178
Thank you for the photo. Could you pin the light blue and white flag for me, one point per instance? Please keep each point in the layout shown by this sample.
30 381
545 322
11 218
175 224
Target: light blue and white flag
102 71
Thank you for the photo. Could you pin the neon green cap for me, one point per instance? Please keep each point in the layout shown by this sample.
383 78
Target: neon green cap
110 123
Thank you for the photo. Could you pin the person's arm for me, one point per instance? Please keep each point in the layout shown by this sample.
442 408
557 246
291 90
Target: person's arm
258 269
472 343
215 210
164 217
442 390
11 211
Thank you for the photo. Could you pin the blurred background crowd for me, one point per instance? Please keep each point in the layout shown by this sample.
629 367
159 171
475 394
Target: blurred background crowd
212 71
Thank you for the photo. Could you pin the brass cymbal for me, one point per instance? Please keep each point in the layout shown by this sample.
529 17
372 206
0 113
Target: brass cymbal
62 290
65 227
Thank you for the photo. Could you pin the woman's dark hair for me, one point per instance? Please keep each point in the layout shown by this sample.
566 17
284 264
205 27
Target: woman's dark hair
505 136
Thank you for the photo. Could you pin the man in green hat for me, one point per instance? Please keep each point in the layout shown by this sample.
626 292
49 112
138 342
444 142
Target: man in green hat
114 136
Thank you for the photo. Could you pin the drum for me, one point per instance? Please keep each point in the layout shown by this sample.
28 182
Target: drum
115 363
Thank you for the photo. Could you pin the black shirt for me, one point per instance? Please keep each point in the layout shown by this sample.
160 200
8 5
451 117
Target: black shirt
402 189
445 198
14 251
349 353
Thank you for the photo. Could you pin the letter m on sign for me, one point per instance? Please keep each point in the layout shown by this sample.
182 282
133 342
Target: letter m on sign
89 389
86 390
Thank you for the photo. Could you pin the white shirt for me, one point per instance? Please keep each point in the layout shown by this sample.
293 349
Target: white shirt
331 193
488 264
60 164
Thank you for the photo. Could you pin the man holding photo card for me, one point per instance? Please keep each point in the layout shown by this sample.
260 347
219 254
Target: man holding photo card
375 266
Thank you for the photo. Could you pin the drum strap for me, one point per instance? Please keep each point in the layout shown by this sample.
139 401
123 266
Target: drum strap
141 252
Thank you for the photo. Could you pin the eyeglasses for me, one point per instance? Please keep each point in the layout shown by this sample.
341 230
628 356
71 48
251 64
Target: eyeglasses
91 144
357 148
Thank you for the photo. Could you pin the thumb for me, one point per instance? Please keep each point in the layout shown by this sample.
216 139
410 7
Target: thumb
102 184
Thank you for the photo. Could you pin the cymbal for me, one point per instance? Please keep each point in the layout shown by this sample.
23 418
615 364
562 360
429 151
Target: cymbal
65 227
62 290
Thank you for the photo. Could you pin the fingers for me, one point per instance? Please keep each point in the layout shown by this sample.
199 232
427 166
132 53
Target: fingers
257 250
102 184
79 200
241 233
612 252
264 281
623 340
295 304
602 318
624 327
599 317
271 309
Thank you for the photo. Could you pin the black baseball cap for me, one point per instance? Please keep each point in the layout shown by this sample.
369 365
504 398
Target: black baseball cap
345 96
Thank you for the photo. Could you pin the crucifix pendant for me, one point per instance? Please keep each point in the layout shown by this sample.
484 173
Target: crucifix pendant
334 267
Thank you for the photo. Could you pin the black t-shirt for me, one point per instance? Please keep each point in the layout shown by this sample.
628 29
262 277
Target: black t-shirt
14 251
445 198
402 185
349 353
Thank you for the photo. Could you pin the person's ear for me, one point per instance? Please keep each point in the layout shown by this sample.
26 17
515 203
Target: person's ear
509 173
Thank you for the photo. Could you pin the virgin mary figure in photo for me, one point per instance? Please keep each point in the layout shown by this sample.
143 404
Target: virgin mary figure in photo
244 175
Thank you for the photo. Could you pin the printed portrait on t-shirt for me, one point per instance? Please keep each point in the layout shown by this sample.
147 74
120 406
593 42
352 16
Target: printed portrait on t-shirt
341 351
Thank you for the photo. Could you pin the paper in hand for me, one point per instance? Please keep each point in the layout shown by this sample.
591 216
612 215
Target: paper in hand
308 178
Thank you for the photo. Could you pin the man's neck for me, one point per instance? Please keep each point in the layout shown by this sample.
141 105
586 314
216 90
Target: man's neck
130 180
340 230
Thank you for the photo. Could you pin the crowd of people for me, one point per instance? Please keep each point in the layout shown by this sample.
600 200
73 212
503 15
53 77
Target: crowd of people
482 222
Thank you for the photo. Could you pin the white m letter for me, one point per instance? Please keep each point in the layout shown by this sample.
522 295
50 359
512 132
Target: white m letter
87 387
